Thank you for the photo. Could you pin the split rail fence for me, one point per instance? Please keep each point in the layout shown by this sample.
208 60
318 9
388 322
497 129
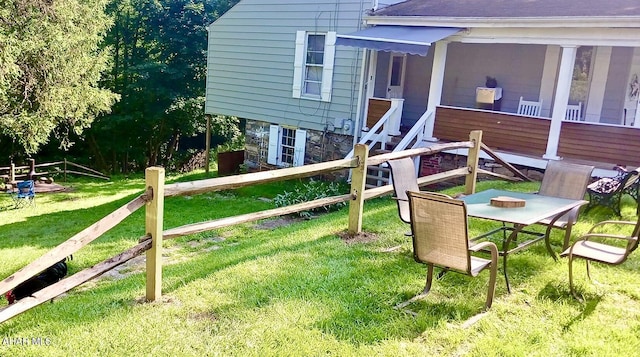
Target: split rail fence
157 190
13 172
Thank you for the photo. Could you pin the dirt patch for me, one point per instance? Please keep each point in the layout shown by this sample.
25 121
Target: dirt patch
362 237
203 316
42 187
170 255
278 222
164 299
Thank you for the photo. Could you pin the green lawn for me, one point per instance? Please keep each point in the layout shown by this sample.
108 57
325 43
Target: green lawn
301 290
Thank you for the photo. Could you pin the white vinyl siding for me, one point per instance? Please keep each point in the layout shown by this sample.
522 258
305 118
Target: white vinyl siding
286 146
251 57
313 65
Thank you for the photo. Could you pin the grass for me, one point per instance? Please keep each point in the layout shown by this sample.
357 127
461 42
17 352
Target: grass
300 290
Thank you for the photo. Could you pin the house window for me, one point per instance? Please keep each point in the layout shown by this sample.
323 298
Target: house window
313 65
288 141
286 146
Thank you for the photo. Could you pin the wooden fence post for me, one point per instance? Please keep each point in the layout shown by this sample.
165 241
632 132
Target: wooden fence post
358 180
154 181
12 174
472 161
65 169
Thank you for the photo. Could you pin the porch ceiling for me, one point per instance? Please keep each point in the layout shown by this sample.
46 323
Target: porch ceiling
404 39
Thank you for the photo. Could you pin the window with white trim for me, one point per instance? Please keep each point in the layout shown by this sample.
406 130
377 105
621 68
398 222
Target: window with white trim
286 146
313 65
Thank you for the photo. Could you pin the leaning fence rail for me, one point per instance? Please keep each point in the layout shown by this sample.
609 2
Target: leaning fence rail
156 191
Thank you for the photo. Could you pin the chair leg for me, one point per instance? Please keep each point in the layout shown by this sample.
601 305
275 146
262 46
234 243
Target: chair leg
567 236
573 292
492 285
588 272
424 292
427 286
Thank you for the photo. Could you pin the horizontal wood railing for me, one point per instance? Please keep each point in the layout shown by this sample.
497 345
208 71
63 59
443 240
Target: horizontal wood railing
603 145
500 131
376 109
611 144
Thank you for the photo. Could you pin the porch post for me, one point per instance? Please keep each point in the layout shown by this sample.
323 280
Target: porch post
362 98
565 73
435 87
369 81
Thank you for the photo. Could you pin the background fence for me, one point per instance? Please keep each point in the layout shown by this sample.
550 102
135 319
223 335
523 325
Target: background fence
12 173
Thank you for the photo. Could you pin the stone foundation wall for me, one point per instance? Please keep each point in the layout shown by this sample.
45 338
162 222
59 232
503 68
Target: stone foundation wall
327 146
320 147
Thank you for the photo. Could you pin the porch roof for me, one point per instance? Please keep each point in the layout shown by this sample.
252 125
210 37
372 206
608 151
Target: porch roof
512 8
404 39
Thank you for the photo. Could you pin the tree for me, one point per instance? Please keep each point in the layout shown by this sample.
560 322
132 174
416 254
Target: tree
159 67
50 67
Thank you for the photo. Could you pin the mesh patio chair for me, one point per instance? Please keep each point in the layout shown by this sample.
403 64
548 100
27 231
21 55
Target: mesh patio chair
440 238
404 178
608 191
599 247
26 195
529 107
564 180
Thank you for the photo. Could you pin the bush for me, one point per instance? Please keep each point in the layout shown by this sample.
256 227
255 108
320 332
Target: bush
309 191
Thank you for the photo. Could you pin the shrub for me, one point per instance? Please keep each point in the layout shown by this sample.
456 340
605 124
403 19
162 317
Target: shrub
309 191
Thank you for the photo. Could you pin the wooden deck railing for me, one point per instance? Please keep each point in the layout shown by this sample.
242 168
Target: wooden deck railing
611 144
604 145
501 131
157 191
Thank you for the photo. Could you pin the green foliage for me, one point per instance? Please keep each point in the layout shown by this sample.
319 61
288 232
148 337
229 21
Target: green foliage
50 66
302 290
159 67
309 191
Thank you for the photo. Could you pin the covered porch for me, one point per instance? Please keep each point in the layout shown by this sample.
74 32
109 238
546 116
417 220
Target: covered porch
432 97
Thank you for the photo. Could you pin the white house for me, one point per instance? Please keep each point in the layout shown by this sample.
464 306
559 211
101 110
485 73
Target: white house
308 77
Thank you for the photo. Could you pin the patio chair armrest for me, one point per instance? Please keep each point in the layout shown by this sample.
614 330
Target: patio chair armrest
603 235
493 249
603 223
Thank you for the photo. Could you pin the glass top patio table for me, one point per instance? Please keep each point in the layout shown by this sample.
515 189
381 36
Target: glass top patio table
537 207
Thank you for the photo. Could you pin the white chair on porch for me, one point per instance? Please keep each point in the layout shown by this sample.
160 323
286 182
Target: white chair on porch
530 108
574 112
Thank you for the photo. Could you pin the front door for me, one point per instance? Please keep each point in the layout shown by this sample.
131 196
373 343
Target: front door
395 83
